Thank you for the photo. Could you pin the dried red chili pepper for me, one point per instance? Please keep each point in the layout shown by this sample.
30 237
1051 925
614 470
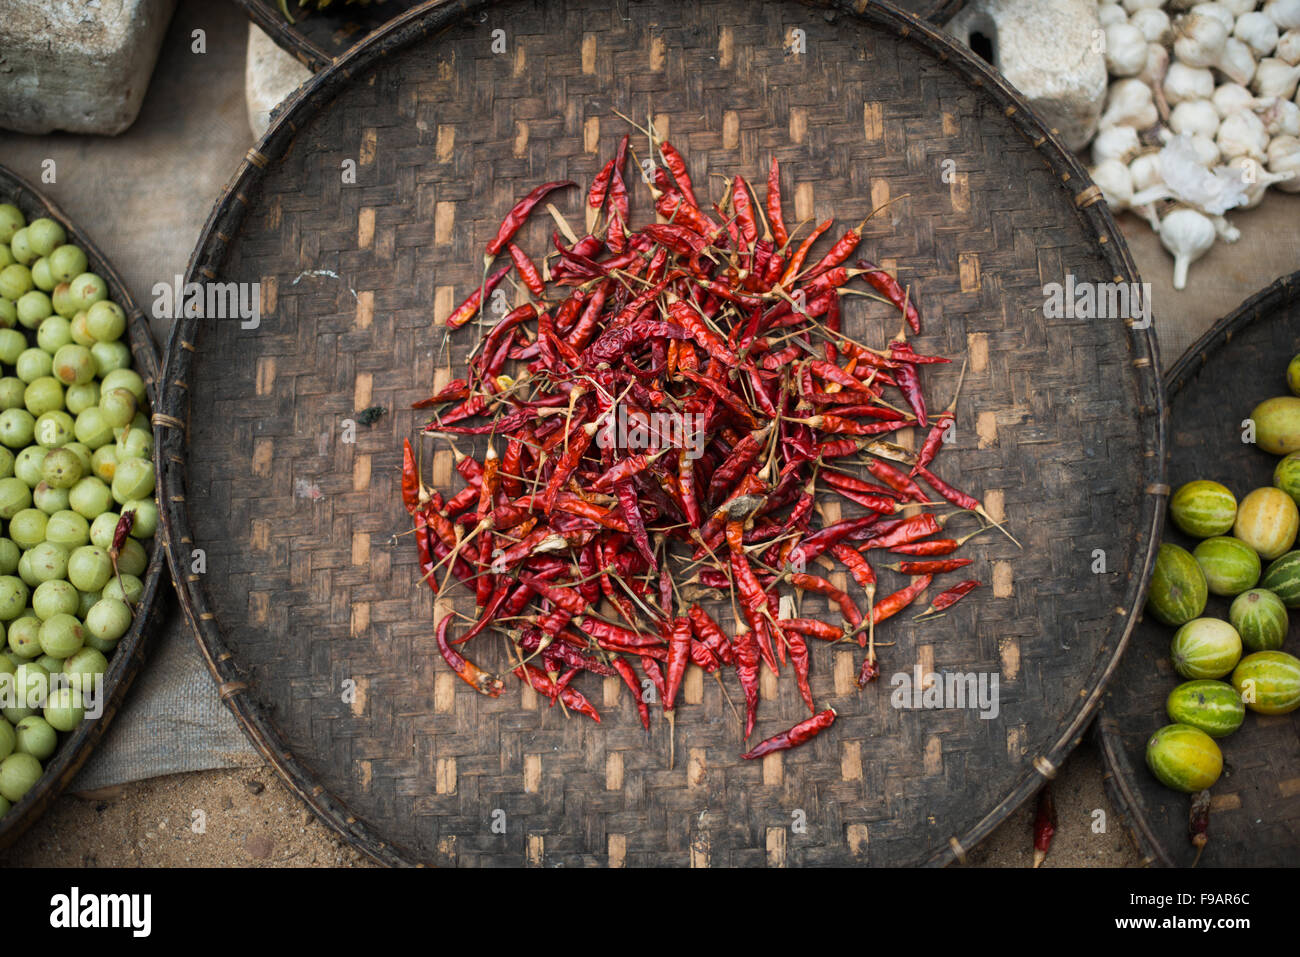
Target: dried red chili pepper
470 307
929 568
1044 824
519 214
804 731
888 286
629 678
481 681
950 597
774 212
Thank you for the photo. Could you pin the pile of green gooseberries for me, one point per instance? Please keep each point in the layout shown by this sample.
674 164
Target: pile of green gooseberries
75 455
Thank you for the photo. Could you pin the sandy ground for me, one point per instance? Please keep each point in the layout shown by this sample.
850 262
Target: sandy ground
246 816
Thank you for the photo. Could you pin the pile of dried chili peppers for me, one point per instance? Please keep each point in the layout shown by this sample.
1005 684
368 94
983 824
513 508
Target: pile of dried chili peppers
665 415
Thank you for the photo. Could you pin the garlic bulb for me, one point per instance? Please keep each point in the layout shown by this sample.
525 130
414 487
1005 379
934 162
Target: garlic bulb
1144 171
1129 103
1200 39
1195 116
1288 47
1109 13
1115 142
1183 82
1153 74
1154 24
1188 235
1284 157
1242 134
1225 230
1237 61
1257 31
1281 118
1133 6
1115 182
1218 11
1275 77
1256 179
1126 50
1285 13
1231 97
1207 153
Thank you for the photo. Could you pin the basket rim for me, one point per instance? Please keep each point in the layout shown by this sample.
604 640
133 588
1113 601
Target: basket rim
1119 774
439 15
130 654
316 58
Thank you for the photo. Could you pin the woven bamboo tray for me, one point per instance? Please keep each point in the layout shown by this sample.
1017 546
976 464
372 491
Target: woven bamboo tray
129 655
316 40
1255 817
310 614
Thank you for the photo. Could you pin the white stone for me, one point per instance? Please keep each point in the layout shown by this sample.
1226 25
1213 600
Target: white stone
81 66
270 75
1051 51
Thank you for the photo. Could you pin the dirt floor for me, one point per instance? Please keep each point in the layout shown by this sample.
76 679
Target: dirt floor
245 816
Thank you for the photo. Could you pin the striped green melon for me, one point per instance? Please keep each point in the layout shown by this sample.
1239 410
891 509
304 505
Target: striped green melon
1269 682
1178 591
1287 476
1282 578
1277 424
1203 508
1260 618
1205 648
1184 758
1267 521
1213 706
1229 564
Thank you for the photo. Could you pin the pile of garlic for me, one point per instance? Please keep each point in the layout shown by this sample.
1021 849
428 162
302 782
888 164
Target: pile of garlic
1202 114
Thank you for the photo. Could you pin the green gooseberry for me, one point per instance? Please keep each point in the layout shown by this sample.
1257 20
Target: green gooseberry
134 479
54 333
29 465
12 345
109 619
11 220
90 568
18 775
61 635
104 463
24 636
48 499
88 289
110 357
92 429
17 428
54 429
67 262
45 235
73 364
15 281
65 528
15 495
146 517
79 398
64 710
43 395
90 497
42 278
27 528
129 589
9 556
62 468
55 597
33 735
48 563
21 248
106 321
32 364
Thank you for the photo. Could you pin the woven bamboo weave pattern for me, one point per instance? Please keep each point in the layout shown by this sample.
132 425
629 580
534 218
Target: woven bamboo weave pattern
307 594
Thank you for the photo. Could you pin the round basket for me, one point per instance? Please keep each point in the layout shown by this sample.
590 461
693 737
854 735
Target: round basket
129 655
317 40
1255 814
310 613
